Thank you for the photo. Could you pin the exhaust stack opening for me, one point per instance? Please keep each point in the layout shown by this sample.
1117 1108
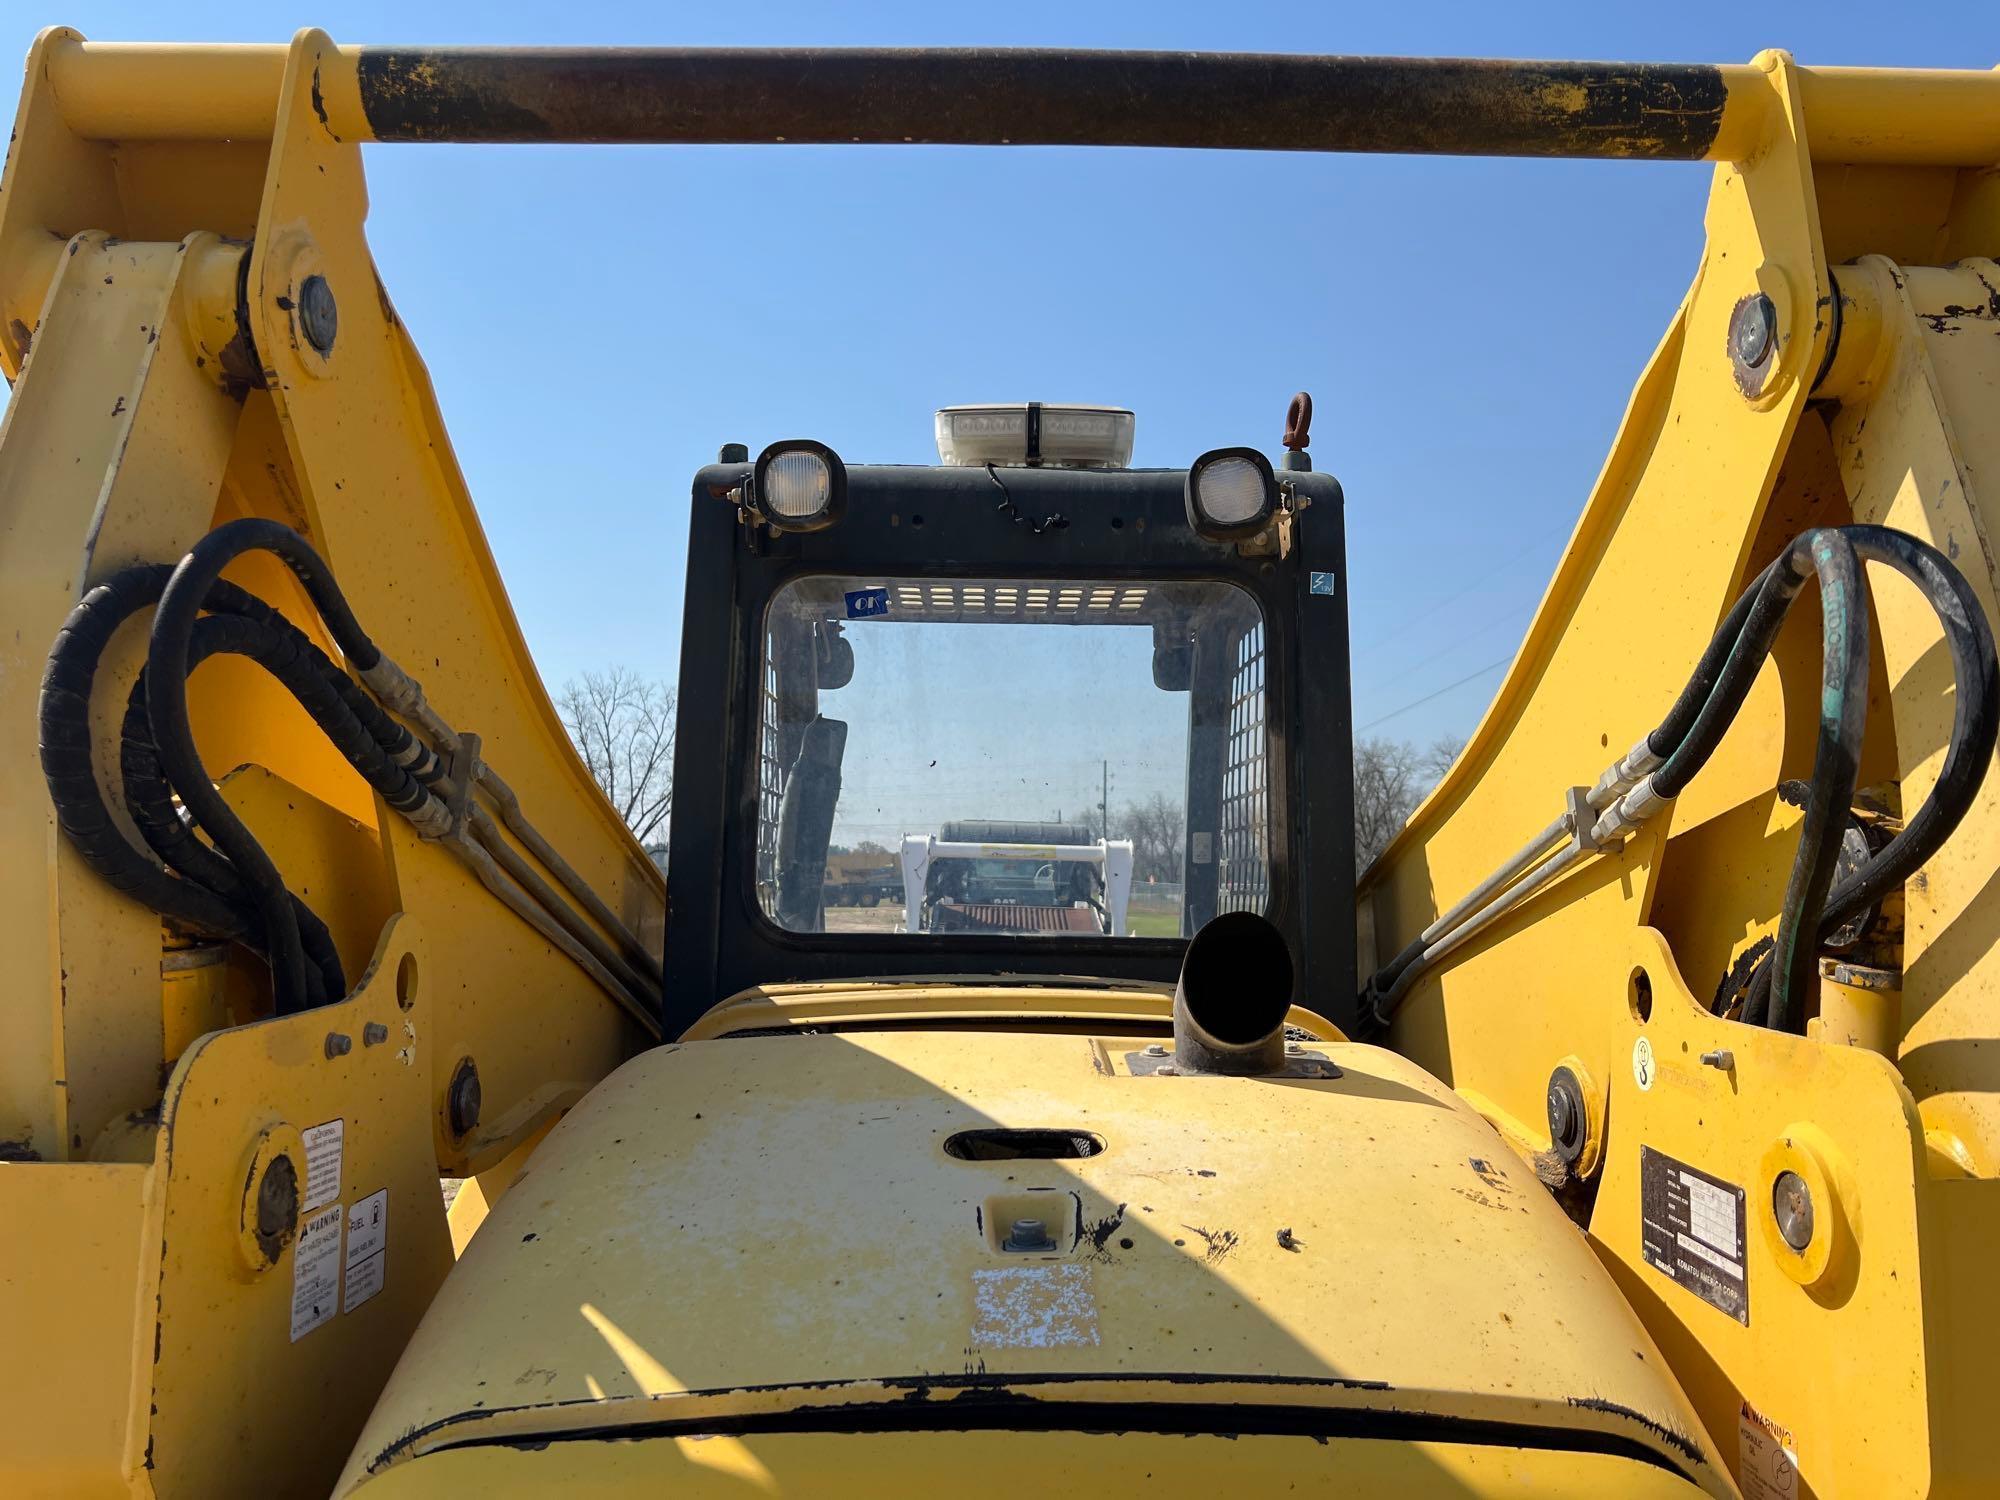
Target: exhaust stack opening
1234 992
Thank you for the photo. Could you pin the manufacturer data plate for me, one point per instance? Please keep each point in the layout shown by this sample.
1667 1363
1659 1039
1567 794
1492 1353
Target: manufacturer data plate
1691 1227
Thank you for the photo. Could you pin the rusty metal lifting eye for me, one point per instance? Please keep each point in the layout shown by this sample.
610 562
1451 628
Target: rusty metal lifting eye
799 485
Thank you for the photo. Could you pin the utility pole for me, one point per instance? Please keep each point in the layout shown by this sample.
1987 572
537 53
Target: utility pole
1104 803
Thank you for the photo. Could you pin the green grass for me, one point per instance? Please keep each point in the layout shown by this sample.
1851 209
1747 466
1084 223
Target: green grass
1156 922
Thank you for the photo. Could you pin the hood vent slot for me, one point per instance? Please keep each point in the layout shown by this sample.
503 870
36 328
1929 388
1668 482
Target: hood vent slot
1022 1145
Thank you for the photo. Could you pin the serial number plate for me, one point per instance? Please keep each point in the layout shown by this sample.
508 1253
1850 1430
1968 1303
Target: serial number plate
1691 1227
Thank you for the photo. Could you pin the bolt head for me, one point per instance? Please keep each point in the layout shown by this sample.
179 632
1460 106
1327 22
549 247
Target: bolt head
1156 1049
1753 331
1029 1234
338 1044
462 1101
1562 1113
319 315
1791 1202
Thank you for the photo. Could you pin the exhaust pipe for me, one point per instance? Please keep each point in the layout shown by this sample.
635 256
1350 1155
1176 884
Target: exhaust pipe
1232 997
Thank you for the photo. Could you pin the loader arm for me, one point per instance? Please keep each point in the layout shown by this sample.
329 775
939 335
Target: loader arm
197 335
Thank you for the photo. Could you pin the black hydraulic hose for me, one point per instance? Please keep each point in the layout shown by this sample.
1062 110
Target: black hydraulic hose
167 667
1843 715
1777 994
1975 718
1672 729
1761 611
65 736
150 799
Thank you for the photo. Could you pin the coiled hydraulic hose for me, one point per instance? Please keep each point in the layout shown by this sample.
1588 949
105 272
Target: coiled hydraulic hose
167 667
232 890
1661 765
198 889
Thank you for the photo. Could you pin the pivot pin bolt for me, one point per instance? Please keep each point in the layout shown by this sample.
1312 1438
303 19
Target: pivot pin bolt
1791 1201
319 317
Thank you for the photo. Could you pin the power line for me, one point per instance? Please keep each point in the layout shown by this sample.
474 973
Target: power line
1427 697
1484 576
1450 646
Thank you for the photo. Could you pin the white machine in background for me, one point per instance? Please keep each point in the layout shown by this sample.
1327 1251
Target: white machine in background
1113 855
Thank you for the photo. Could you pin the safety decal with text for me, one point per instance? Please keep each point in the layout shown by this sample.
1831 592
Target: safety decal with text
367 1249
1691 1227
1767 1457
323 1150
316 1271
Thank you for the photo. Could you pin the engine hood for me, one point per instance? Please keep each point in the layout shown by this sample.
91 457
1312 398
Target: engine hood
808 1232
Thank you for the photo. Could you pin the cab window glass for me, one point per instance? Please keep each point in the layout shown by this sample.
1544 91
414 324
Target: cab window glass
993 757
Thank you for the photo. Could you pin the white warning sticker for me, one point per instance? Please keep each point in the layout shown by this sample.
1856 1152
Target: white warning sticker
323 1146
1767 1460
1034 1307
367 1249
316 1271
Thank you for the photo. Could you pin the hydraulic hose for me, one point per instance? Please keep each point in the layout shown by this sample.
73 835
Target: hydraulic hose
1660 766
167 666
1836 760
65 744
1975 718
233 890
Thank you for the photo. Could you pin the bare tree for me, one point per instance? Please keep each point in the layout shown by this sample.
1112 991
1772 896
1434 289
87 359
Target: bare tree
1157 828
623 726
1386 788
1390 779
1438 758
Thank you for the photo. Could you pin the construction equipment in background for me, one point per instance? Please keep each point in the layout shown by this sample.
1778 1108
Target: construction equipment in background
861 880
1670 1168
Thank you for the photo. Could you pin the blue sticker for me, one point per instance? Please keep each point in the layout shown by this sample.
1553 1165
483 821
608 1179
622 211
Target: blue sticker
1321 583
866 604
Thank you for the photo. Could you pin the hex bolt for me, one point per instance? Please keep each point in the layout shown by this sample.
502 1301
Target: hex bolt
1569 1118
1029 1234
1156 1049
1791 1201
1753 330
277 1205
462 1099
338 1044
1562 1114
1721 1058
319 316
374 1034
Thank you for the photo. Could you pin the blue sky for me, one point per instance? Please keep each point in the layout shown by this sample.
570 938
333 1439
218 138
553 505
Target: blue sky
597 321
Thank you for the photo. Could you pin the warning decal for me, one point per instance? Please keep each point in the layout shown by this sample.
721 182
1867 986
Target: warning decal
1691 1226
316 1271
323 1145
1767 1460
367 1249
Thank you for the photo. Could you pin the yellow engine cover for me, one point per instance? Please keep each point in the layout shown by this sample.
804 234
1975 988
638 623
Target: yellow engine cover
753 1239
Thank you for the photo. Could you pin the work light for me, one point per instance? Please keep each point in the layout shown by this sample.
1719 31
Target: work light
1231 493
799 485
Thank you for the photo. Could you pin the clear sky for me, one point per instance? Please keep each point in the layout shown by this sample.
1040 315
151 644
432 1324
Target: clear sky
598 320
